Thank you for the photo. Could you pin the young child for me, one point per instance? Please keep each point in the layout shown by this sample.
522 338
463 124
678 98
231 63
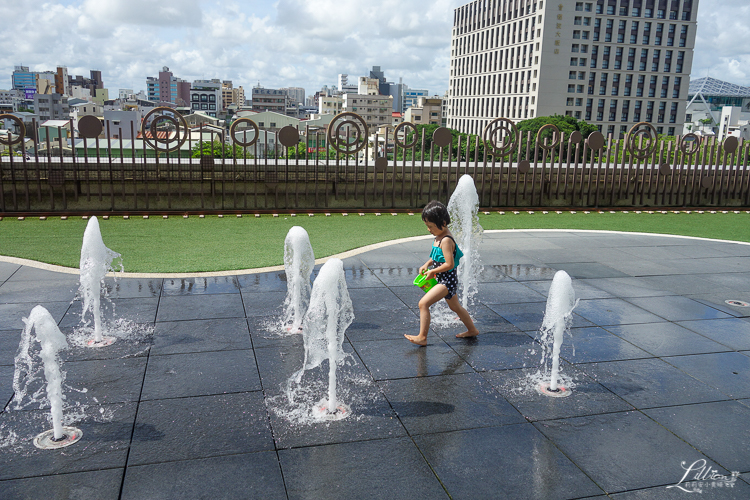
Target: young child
442 265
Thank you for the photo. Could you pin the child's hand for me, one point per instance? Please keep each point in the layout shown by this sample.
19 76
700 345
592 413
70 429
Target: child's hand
423 269
428 275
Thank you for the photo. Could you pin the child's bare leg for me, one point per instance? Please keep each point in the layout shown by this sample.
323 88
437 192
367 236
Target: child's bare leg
464 316
435 294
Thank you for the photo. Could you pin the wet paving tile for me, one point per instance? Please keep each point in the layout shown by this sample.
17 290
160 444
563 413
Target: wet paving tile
589 345
105 380
529 316
6 384
513 462
729 372
200 374
726 444
676 308
38 292
263 282
130 288
605 312
173 337
495 351
200 286
11 315
393 468
383 325
647 383
737 490
448 403
733 333
581 270
374 299
92 485
667 339
631 450
583 289
396 276
7 269
9 340
509 292
629 287
229 477
225 305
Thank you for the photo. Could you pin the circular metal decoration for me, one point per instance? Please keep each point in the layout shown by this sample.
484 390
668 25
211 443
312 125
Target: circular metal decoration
442 137
524 166
556 137
665 169
595 140
730 144
288 136
381 164
707 182
690 144
502 129
401 128
90 127
244 143
347 133
650 136
737 303
576 136
177 120
4 140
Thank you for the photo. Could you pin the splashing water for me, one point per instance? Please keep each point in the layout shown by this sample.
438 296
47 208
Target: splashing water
96 262
463 207
299 261
558 317
329 315
52 340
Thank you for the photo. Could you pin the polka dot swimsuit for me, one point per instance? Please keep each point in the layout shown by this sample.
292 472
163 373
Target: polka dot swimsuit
447 278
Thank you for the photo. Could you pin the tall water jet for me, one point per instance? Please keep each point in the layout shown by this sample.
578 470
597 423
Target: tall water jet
558 316
52 341
96 262
463 207
329 315
299 261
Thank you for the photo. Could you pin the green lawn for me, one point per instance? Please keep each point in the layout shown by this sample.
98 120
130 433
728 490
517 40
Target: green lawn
218 244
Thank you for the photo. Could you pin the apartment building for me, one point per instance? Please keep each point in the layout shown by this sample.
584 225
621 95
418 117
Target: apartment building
612 63
426 111
330 105
51 107
206 96
269 100
167 88
375 110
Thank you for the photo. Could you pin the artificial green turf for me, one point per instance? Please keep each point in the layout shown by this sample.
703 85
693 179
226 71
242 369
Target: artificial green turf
218 244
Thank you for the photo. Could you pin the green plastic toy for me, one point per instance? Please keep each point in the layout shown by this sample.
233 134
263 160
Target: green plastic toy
423 283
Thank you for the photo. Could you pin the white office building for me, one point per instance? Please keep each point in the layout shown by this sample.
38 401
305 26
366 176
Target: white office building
612 63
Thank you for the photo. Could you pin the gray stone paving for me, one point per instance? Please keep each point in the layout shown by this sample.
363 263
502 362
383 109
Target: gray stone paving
661 365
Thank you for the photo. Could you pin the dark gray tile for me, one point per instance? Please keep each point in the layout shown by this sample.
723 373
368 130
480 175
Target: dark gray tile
107 380
679 284
9 340
93 485
396 276
6 384
512 462
647 383
529 316
508 292
11 315
589 345
138 310
200 427
495 351
409 295
200 286
676 308
731 489
225 305
263 282
200 374
580 270
7 269
629 287
230 477
39 292
383 325
131 288
725 444
729 371
104 444
737 280
201 335
631 450
734 333
448 403
583 289
526 272
605 312
374 299
666 339
587 397
28 273
263 304
388 359
362 278
386 468
718 300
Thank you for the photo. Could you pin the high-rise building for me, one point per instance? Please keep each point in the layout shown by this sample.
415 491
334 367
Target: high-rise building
62 83
611 63
269 100
412 95
296 94
206 96
226 93
168 88
23 78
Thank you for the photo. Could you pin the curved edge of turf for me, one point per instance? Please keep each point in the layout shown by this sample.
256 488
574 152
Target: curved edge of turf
343 255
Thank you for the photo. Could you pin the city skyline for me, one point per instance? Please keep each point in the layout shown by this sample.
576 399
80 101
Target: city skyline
288 43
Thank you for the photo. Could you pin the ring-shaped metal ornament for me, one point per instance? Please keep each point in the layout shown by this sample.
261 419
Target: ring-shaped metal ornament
233 128
730 144
174 119
690 144
556 137
21 127
399 128
649 133
357 141
507 129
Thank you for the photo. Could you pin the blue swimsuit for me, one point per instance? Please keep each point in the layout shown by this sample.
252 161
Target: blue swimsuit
447 278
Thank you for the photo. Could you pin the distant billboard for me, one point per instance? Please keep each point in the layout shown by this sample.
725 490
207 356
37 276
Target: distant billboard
29 92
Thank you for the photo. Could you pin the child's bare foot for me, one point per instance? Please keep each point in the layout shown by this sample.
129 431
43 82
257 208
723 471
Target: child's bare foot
467 334
416 339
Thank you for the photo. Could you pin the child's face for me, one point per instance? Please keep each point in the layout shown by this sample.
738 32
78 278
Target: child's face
433 228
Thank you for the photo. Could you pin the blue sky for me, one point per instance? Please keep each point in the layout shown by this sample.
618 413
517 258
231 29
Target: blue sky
296 43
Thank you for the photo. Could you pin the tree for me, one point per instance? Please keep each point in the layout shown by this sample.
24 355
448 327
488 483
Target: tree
216 149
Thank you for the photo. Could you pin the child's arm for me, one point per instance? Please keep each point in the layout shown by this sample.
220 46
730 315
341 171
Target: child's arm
425 266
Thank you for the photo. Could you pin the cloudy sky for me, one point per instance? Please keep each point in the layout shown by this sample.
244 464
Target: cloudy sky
286 43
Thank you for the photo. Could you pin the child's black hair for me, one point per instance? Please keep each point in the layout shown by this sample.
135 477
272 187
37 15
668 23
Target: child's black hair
436 213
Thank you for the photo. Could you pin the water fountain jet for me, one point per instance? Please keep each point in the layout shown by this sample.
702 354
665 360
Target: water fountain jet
299 261
96 262
52 341
558 317
463 208
329 315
